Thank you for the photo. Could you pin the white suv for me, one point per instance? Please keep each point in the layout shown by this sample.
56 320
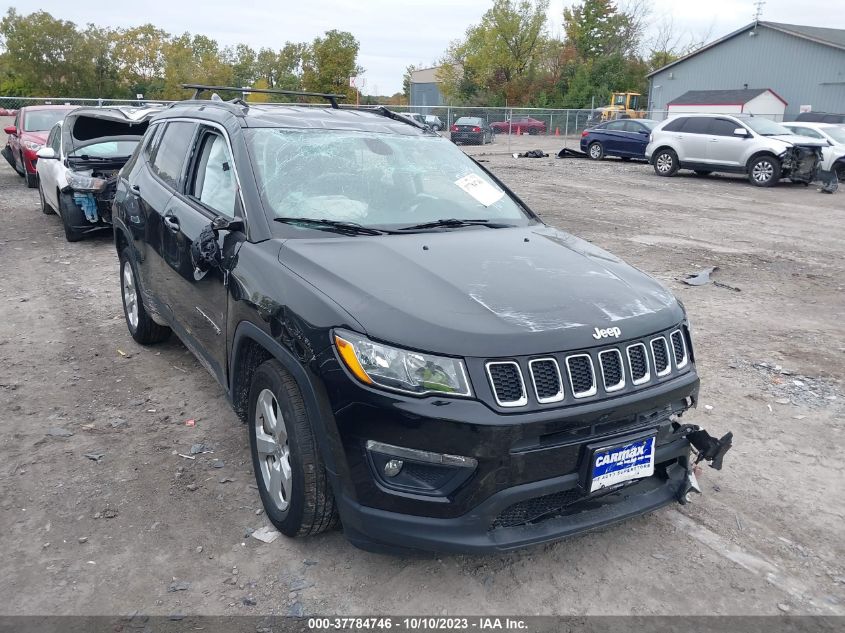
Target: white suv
759 147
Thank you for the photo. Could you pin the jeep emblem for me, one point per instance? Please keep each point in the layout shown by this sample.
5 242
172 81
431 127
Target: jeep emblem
615 332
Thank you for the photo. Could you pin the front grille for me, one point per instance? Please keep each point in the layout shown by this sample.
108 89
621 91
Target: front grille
638 363
661 355
545 373
581 375
679 348
508 386
612 371
535 509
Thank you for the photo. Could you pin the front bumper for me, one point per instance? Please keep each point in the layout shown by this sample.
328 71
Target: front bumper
517 458
474 532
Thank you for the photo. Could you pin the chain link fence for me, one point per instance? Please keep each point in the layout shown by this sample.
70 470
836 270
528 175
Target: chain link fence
567 124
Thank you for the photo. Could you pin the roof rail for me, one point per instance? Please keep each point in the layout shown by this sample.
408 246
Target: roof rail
331 98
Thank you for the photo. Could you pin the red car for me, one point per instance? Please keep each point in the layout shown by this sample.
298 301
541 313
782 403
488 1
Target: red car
522 124
28 134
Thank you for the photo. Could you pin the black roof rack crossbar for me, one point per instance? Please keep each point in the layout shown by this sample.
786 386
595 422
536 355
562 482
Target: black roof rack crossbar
200 88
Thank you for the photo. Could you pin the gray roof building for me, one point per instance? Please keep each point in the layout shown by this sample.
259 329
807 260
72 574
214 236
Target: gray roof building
803 65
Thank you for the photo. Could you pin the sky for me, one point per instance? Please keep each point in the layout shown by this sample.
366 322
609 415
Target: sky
396 33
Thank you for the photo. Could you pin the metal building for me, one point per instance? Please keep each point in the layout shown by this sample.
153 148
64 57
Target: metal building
425 88
805 65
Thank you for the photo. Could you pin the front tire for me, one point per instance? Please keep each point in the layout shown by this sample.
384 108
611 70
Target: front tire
31 180
764 171
292 481
596 150
141 325
46 209
666 162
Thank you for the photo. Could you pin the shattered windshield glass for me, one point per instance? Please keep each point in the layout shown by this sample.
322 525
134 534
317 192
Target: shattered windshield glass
373 179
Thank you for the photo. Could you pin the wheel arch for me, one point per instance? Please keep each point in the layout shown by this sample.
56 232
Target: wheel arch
760 154
251 346
661 148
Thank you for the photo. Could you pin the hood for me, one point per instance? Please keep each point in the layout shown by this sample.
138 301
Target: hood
483 292
35 137
794 139
84 125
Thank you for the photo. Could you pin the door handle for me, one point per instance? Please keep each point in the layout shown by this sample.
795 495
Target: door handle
171 222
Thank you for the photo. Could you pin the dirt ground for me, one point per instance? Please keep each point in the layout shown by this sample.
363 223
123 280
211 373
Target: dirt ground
143 528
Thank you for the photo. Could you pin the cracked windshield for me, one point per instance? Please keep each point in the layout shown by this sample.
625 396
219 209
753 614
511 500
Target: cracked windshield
374 179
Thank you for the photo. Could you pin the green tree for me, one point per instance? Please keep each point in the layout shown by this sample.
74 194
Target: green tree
43 53
140 53
329 62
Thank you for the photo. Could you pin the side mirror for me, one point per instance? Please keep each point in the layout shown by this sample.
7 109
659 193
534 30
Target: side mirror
205 252
741 131
11 130
46 153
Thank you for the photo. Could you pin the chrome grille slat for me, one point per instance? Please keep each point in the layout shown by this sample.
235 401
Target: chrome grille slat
579 368
679 348
660 355
548 384
612 370
503 375
638 364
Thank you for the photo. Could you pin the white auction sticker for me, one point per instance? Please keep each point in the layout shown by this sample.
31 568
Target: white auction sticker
480 189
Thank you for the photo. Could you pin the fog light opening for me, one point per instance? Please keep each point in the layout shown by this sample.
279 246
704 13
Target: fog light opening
393 467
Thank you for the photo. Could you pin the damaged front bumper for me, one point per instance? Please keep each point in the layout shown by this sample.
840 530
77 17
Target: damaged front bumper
87 200
800 163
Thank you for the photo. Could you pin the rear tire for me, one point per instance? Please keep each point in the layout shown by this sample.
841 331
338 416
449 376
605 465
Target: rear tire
839 170
46 209
292 481
666 162
141 325
764 171
595 151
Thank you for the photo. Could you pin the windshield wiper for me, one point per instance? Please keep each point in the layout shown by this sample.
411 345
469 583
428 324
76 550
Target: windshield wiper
347 228
454 223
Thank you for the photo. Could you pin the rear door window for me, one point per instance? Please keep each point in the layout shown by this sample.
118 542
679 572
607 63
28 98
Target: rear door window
697 125
616 126
168 158
676 125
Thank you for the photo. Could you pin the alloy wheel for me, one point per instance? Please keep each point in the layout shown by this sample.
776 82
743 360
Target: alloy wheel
271 441
130 295
595 151
763 171
664 163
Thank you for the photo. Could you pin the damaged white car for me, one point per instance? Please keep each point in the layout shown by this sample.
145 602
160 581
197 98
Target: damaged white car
78 166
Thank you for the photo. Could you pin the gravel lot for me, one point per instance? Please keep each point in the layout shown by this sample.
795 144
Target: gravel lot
142 528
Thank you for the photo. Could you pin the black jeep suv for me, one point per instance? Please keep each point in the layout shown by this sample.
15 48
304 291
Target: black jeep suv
415 353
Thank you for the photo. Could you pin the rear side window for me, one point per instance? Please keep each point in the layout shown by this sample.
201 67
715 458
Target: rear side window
675 125
697 125
169 155
723 127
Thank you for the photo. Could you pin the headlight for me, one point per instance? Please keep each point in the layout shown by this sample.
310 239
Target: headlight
32 146
81 182
401 370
